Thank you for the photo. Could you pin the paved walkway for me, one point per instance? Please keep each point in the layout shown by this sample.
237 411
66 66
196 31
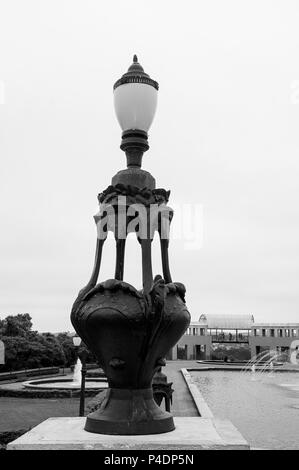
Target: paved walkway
183 404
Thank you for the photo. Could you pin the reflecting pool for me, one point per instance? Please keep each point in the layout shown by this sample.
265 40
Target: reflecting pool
264 407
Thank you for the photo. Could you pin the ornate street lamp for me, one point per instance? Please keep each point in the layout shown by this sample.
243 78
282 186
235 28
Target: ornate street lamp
129 330
82 356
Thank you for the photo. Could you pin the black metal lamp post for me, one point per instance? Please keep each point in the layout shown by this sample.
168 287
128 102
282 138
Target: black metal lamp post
82 356
129 330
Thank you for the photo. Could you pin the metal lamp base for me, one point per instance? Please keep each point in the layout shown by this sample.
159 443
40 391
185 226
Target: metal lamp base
129 412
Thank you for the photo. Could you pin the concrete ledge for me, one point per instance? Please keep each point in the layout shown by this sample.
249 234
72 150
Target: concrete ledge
190 434
200 403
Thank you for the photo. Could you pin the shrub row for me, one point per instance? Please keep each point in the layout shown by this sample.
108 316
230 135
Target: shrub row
31 393
29 373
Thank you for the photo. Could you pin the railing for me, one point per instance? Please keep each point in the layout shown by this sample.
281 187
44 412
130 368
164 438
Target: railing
230 338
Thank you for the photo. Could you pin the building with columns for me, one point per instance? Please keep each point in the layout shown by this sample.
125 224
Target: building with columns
210 330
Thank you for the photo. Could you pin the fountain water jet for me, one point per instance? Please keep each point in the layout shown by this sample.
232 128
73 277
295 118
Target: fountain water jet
255 361
77 372
68 383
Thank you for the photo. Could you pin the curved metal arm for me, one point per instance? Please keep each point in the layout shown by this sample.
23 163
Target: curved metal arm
164 243
97 263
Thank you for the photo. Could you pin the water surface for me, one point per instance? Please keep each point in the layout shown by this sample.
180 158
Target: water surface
265 408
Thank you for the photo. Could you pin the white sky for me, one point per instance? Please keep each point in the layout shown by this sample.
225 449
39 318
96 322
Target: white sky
225 136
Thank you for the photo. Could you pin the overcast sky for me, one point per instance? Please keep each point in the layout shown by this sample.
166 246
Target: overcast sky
225 138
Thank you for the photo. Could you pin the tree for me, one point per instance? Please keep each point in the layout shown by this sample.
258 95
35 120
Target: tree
66 342
16 325
30 353
27 349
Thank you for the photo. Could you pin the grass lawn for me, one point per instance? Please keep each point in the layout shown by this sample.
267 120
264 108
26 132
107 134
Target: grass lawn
23 413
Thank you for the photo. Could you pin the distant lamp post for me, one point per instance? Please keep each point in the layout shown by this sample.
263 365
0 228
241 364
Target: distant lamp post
82 356
76 341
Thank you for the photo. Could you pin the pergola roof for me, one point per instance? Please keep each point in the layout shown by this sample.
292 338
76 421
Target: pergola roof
227 322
